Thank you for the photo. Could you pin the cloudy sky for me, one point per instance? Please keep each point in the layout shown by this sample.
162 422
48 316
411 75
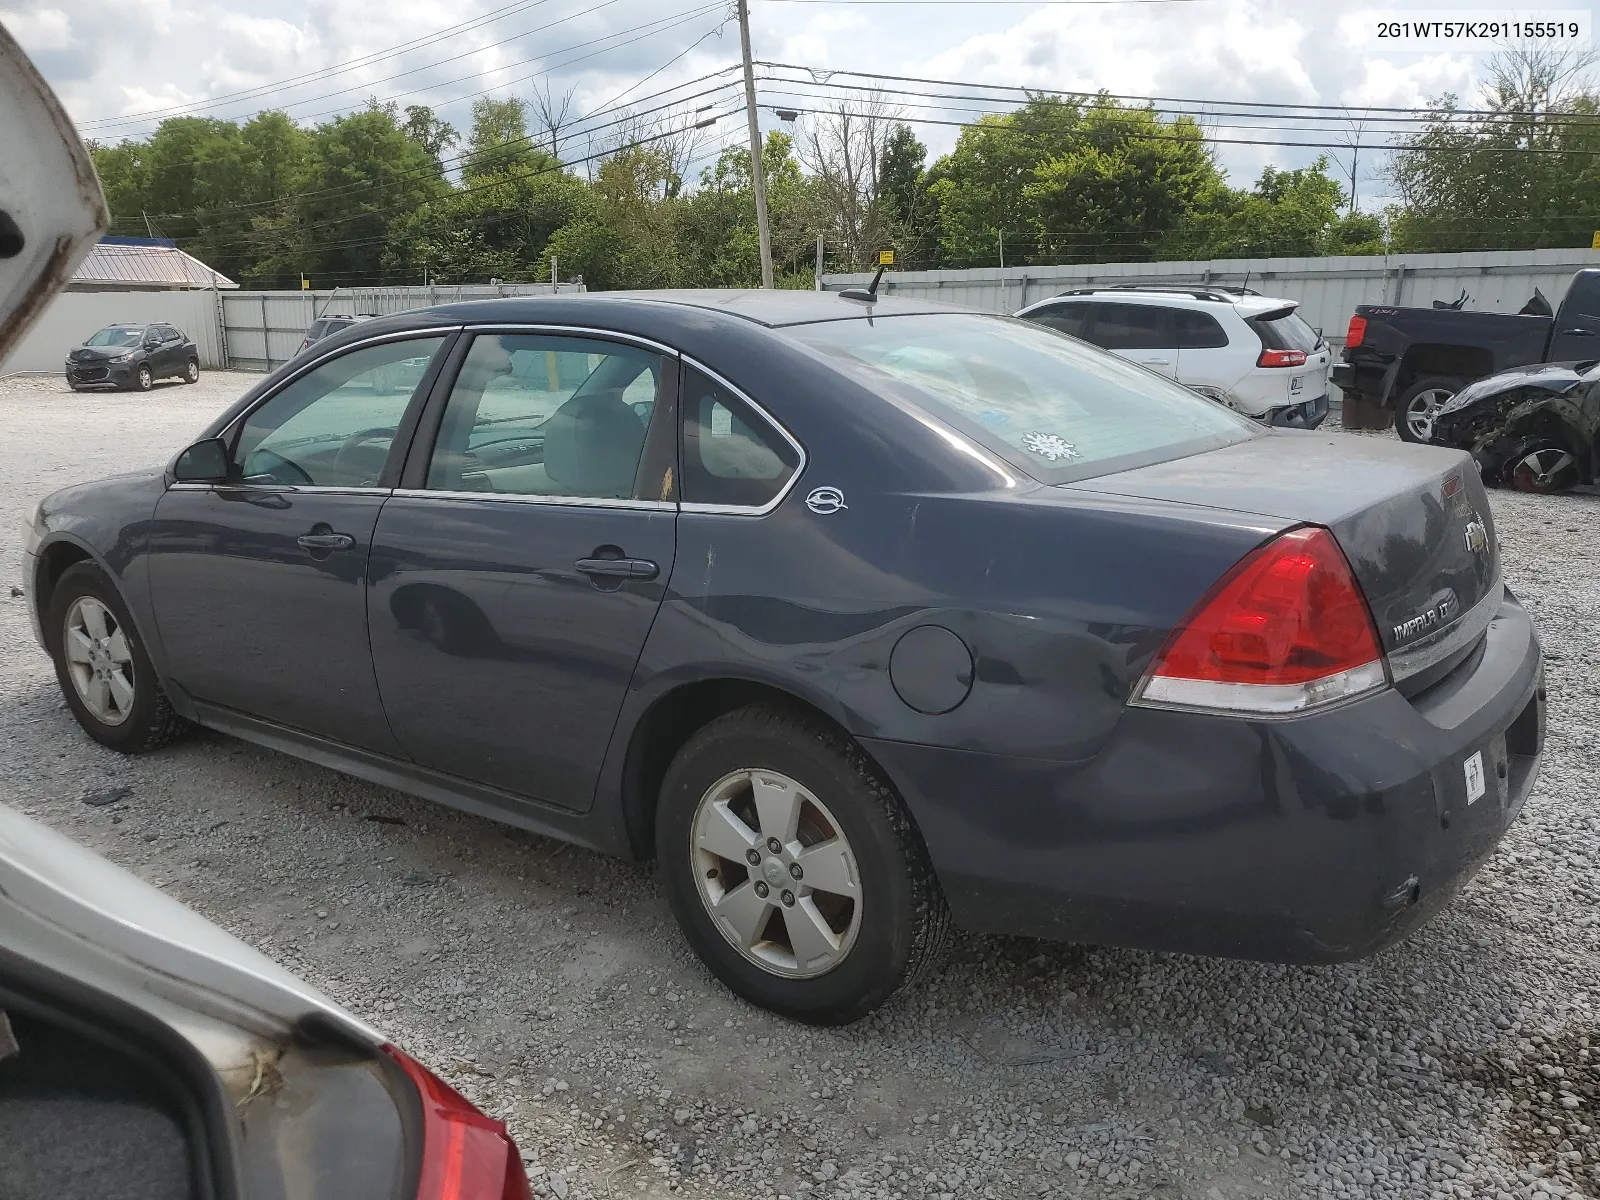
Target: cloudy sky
121 65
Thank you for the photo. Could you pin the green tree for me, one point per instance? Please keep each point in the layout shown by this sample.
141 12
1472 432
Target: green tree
1288 214
426 129
909 209
717 222
499 139
496 228
363 177
980 186
1519 173
1125 183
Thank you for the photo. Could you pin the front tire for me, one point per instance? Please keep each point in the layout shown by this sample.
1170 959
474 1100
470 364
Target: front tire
191 371
1415 408
103 668
794 869
144 379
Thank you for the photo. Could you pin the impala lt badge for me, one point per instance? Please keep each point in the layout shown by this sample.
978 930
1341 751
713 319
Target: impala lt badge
825 500
1439 615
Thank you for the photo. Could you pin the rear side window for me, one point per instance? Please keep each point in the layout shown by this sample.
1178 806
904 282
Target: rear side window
1068 318
1198 330
1133 327
731 455
1288 332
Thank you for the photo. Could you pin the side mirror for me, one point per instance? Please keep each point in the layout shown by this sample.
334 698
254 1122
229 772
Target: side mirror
203 462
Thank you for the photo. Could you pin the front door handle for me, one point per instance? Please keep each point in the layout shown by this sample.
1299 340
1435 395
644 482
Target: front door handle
618 568
325 541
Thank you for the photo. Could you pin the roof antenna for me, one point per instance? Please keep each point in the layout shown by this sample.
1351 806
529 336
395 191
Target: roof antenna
866 295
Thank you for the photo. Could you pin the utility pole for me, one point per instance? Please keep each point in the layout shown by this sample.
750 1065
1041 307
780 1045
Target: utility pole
819 262
758 174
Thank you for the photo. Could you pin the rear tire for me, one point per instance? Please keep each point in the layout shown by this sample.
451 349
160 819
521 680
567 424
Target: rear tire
191 371
110 686
1414 408
846 827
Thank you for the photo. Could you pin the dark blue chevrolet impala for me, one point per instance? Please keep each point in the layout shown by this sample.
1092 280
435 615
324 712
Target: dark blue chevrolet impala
859 617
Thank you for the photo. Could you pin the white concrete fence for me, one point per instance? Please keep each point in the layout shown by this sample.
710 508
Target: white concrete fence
1328 289
238 330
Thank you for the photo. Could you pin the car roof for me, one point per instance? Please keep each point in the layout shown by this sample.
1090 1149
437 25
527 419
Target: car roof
777 307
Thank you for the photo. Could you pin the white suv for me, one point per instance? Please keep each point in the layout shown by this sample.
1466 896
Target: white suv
1250 352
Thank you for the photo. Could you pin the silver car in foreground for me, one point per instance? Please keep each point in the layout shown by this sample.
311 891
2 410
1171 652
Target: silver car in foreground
144 1053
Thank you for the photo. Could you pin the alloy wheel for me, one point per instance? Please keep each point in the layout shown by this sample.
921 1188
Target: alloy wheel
1422 409
776 873
192 372
99 660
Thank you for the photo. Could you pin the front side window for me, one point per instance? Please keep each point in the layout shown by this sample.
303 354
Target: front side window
731 455
547 415
1058 409
334 425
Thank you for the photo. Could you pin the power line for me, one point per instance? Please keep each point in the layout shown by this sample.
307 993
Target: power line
667 22
649 28
447 32
1350 111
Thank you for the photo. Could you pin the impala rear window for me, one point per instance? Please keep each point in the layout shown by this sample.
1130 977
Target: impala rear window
1055 407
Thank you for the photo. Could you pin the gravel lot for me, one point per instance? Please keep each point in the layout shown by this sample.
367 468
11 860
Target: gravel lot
551 986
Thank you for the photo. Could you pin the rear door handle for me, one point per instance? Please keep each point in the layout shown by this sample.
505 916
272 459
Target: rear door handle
619 568
1579 332
1155 362
325 541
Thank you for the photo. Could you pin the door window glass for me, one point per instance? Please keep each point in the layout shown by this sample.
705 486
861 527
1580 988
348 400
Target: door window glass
546 415
333 426
1133 327
1068 318
731 455
1198 330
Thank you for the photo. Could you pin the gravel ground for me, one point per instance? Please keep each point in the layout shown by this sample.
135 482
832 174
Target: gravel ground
551 986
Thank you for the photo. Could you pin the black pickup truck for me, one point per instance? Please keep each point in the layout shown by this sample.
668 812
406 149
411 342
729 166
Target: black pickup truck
1415 359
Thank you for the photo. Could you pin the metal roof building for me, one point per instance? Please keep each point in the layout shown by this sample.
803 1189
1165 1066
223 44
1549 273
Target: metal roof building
124 264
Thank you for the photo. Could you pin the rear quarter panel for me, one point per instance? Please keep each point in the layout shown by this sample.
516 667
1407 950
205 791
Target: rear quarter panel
1060 598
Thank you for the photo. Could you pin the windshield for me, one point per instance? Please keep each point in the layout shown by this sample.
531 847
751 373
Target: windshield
116 336
1055 407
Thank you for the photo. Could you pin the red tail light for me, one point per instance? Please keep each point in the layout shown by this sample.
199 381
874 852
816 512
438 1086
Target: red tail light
465 1155
1357 331
1286 630
1282 358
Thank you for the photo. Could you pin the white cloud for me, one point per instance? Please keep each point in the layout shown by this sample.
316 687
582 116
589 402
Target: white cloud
38 31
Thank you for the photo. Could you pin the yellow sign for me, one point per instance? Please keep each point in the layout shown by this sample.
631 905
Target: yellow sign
886 257
305 284
1594 242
